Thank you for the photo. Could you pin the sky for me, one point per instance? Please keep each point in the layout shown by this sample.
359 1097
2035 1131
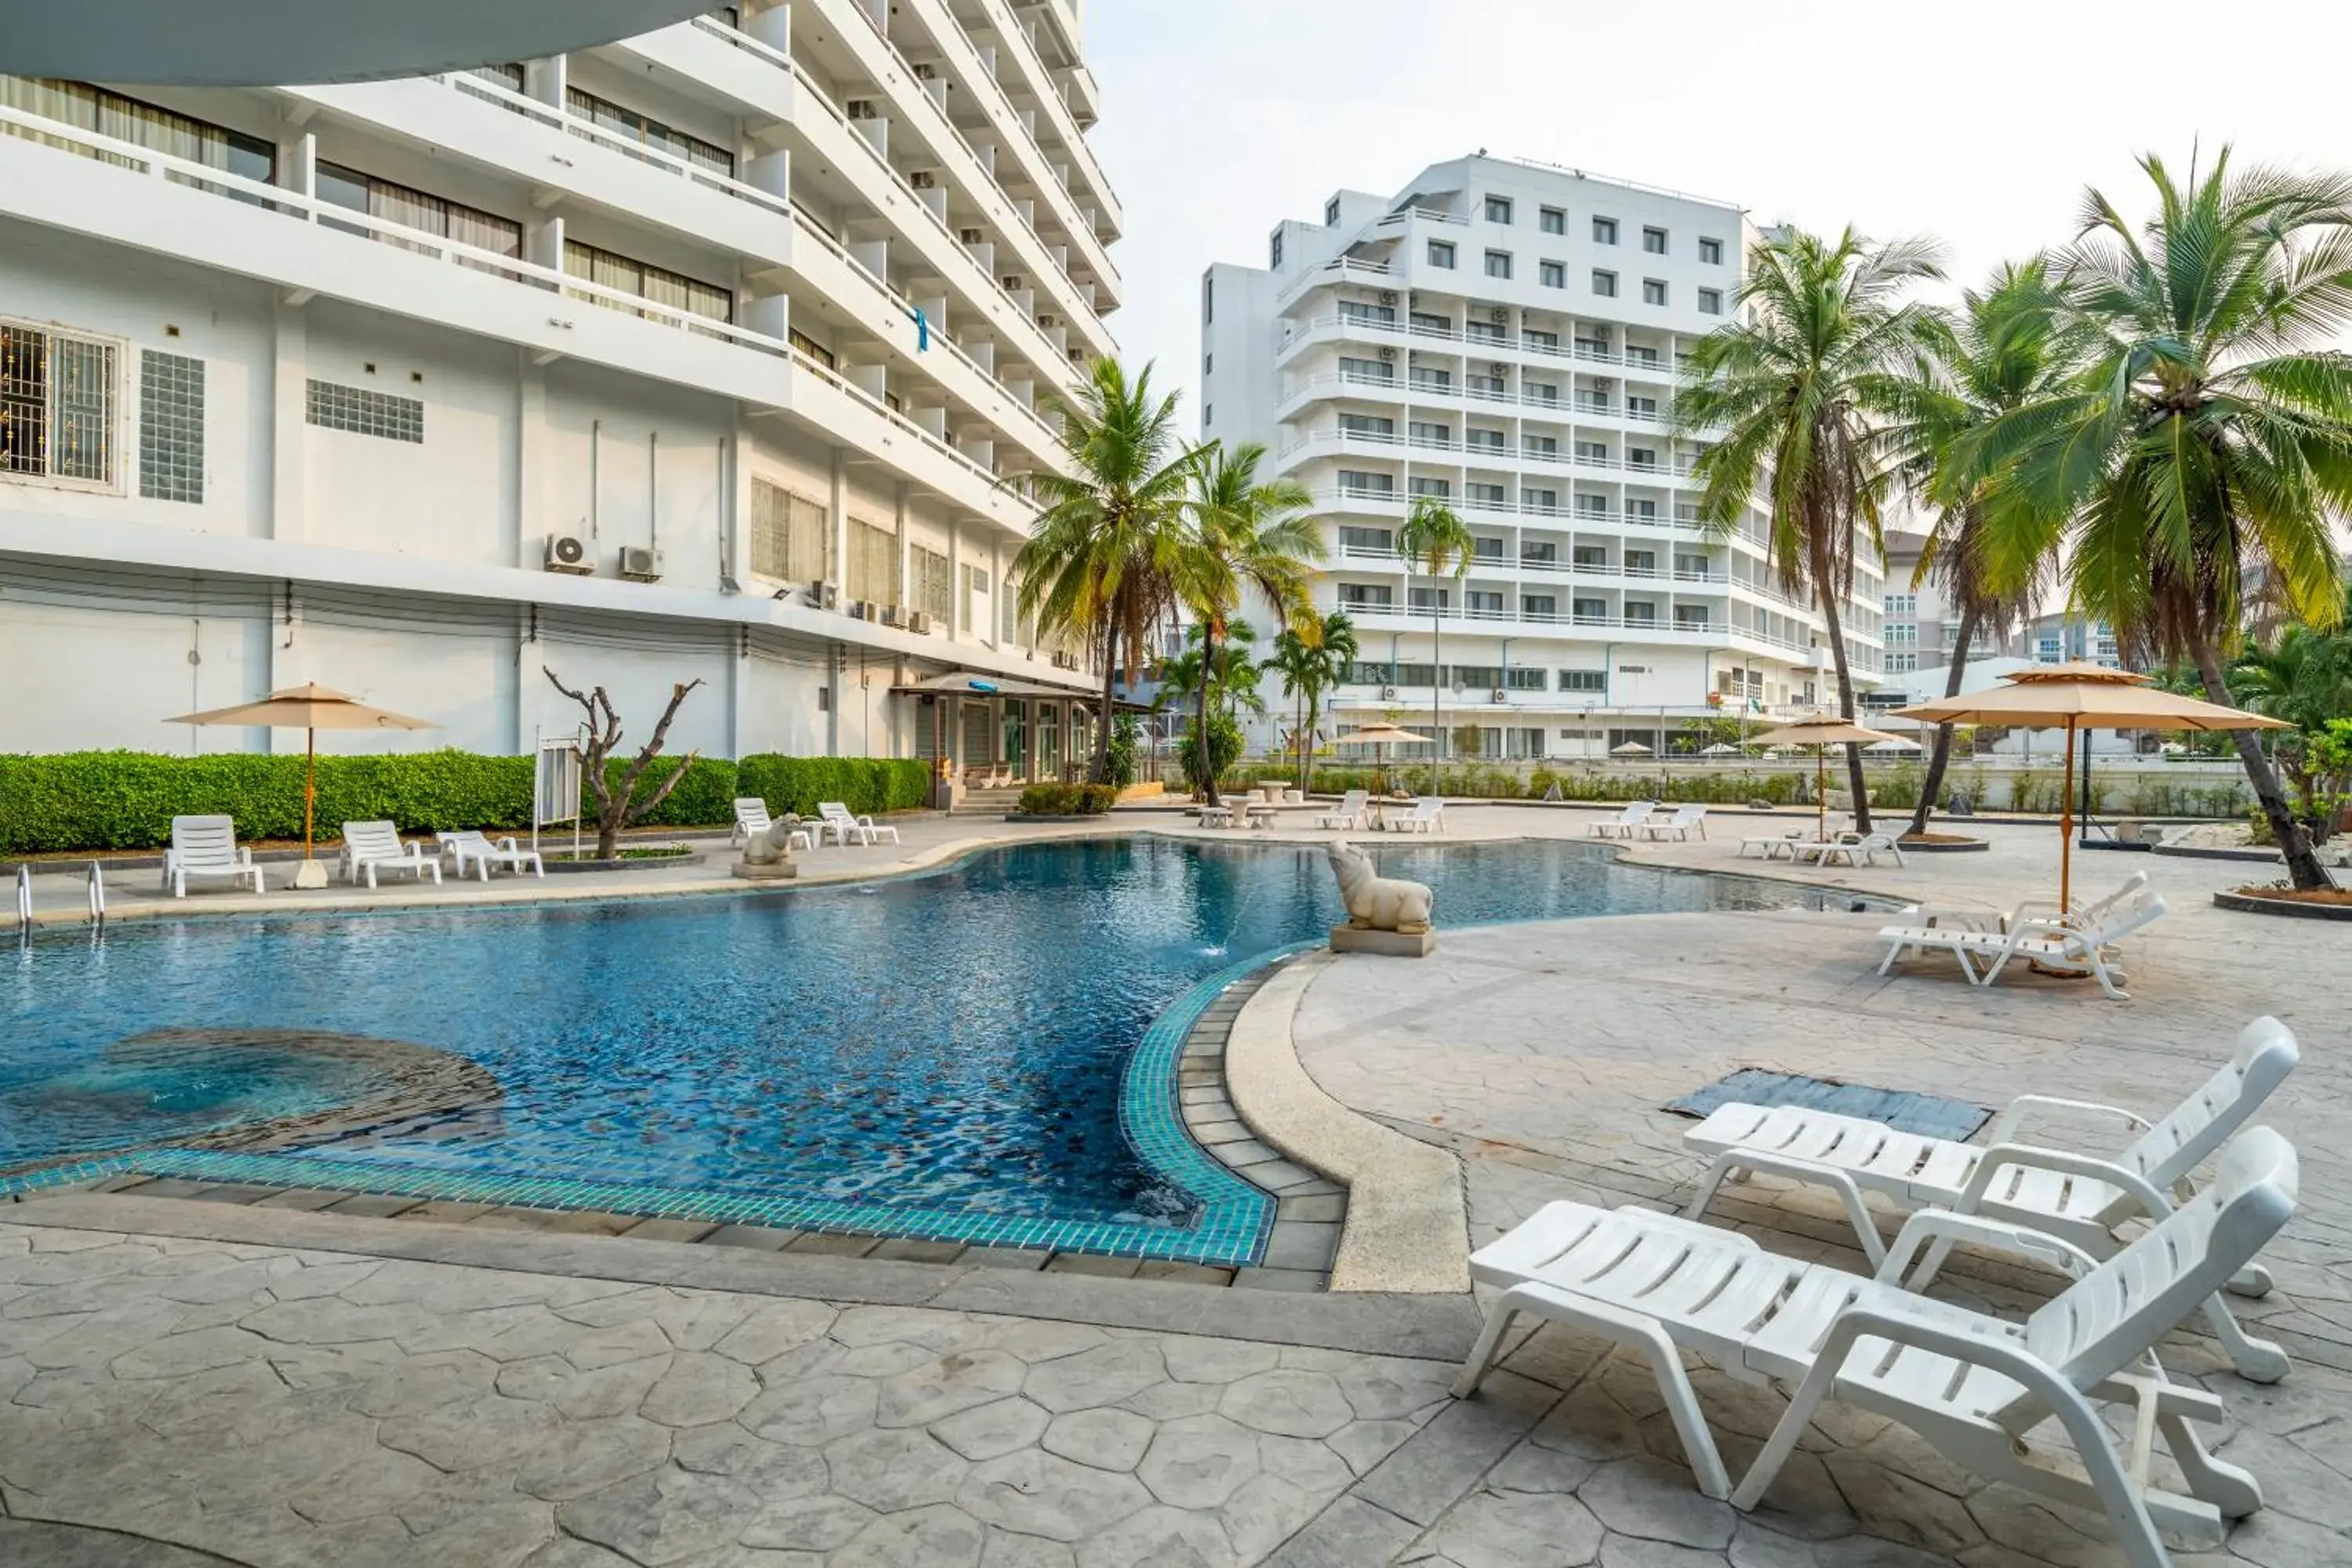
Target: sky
1979 124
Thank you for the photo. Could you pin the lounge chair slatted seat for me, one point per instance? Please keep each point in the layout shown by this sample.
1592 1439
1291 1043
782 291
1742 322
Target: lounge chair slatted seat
371 845
207 846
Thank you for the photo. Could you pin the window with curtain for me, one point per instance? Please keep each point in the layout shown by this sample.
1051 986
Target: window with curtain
88 108
930 583
648 131
412 208
788 534
873 563
646 281
57 403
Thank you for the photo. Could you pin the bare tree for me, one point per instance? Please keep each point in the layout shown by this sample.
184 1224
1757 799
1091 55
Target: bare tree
618 806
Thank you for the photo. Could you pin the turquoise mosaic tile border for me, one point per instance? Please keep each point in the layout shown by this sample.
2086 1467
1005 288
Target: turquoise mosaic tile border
1230 1232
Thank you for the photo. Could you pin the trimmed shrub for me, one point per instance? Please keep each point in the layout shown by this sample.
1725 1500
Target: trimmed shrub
865 785
1067 800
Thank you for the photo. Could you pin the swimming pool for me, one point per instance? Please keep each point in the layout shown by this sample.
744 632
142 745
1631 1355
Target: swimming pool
941 1055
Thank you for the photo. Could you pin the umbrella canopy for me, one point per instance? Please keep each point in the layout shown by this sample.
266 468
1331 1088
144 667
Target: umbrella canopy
1820 732
310 707
1896 744
2080 696
1720 750
1630 749
1381 734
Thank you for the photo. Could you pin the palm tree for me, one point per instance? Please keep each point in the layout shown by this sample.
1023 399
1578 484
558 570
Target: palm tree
1106 555
2305 678
2209 444
1796 398
1435 540
1249 535
1308 668
2008 348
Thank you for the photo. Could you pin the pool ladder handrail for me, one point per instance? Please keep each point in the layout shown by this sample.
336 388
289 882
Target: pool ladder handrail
97 894
23 899
94 895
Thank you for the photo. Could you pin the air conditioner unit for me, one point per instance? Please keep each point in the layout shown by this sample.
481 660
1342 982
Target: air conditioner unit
861 610
1011 281
569 552
861 109
1388 296
925 71
1065 662
1048 319
892 615
1387 693
1499 314
1500 695
1498 368
1388 353
824 595
1604 383
973 236
641 564
918 623
923 179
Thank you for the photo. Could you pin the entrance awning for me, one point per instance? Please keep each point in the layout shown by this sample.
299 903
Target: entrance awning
965 683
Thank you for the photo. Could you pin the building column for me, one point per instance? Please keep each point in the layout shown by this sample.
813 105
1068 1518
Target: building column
530 432
837 568
289 414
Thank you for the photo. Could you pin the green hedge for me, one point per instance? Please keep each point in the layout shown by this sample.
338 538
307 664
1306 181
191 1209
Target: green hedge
1067 800
126 800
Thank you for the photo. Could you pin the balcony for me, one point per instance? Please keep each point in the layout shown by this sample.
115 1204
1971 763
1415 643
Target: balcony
1337 443
1027 59
126 195
1292 335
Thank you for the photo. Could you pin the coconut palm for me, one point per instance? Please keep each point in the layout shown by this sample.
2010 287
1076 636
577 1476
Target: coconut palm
1249 535
1796 398
1309 666
2208 446
2304 676
1107 557
2008 346
1435 540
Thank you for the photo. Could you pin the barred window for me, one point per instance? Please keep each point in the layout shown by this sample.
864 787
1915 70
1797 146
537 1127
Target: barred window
56 406
930 583
171 426
873 563
788 534
365 413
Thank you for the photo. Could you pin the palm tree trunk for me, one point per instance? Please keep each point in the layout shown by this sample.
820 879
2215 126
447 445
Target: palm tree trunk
1827 590
1436 697
1100 772
1933 785
2295 839
1206 753
1307 741
1298 739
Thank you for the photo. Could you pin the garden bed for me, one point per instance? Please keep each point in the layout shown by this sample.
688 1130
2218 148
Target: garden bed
1941 843
1053 816
2311 904
632 858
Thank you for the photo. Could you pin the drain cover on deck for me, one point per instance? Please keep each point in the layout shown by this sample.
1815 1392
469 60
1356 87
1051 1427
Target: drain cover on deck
1928 1115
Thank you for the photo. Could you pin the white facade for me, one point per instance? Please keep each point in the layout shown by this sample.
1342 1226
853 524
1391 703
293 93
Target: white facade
756 310
1506 335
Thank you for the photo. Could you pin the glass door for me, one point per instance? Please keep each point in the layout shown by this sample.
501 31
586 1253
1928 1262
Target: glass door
1017 736
1049 741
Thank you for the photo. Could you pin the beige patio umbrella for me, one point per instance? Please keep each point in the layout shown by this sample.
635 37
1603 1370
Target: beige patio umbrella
1381 734
1820 732
310 707
2080 696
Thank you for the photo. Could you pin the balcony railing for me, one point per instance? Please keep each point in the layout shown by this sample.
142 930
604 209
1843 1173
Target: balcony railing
1503 566
1001 19
1482 341
551 285
1487 457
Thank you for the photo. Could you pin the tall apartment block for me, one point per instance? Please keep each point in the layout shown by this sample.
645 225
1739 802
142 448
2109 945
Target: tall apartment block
700 356
1506 336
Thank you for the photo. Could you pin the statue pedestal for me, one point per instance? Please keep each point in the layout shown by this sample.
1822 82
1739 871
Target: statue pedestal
1385 943
782 871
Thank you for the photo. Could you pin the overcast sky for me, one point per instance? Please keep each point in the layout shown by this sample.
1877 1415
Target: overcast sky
1977 123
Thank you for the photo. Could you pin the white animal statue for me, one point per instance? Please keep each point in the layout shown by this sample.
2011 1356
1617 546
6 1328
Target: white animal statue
773 845
1376 902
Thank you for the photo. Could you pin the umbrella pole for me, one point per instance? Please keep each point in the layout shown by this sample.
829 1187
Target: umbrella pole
2066 833
310 785
1821 793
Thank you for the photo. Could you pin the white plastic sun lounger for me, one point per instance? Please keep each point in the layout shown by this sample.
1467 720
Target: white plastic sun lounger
1976 1388
207 846
751 819
838 820
1625 824
1427 815
368 845
2078 1197
472 844
1981 916
2082 947
1349 815
1686 821
1856 850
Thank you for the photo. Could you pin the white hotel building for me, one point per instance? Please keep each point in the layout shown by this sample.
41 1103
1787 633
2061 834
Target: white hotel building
697 355
1505 336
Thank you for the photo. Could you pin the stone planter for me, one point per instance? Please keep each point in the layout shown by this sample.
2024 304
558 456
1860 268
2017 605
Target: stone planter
2292 909
1954 847
680 857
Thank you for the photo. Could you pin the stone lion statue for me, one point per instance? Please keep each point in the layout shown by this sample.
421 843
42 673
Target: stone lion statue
1376 902
775 846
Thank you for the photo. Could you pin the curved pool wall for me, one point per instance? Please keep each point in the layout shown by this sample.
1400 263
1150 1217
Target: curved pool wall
983 1054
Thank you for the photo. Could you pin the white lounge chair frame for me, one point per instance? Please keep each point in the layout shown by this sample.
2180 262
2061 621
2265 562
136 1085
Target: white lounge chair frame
1975 1388
1625 824
471 844
2080 1198
1856 850
1349 815
2077 948
207 846
751 819
1427 815
837 820
1686 820
368 845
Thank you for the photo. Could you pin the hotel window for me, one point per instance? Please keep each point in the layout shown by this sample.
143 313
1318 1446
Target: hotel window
1366 596
1208 364
1539 446
657 284
1432 377
1537 338
1441 253
1900 603
1641 457
1710 302
1332 213
1208 300
1482 602
1604 231
1711 252
1654 241
1584 681
1366 314
1481 494
89 108
1498 264
1591 557
810 347
930 583
1901 632
411 208
58 405
1428 599
363 412
1491 440
1690 615
873 563
1591 452
1274 250
171 426
1357 540
1543 502
1591 506
1208 415
1378 425
1429 433
1486 549
1552 275
1653 291
1589 610
1641 507
1366 369
1902 663
788 535
1554 220
1498 209
1440 488
1539 608
650 133
1356 482
1604 283
1641 612
1539 391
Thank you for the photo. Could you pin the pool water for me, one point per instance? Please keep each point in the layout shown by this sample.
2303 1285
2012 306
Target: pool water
949 1042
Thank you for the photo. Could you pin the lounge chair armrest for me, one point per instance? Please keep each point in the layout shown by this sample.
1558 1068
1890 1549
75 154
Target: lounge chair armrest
245 855
2005 1125
1943 1224
2002 1156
